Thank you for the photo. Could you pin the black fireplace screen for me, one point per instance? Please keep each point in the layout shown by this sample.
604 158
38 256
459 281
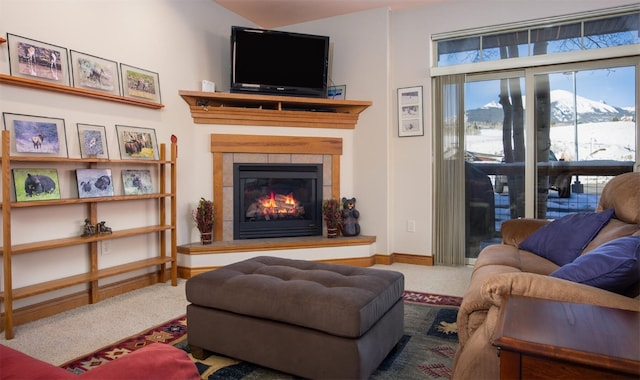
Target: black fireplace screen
277 200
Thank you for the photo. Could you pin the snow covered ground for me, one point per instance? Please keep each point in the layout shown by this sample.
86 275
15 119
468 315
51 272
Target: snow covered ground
596 141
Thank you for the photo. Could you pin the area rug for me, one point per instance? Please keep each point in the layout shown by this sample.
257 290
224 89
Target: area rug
425 351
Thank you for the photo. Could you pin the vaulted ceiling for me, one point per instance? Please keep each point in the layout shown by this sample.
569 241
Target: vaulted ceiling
277 13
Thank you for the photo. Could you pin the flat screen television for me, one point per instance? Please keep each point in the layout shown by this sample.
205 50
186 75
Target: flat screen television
277 62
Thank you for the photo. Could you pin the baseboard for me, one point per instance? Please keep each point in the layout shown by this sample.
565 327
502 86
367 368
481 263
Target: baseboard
405 258
55 306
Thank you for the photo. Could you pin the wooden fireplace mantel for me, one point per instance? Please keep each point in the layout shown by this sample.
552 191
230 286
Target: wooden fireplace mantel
270 110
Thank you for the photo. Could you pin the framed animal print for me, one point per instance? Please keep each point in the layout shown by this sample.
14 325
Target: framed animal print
93 141
36 184
137 143
37 60
94 73
140 83
137 182
94 183
36 135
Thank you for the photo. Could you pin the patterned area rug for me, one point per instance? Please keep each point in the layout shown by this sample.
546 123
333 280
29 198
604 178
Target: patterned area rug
425 351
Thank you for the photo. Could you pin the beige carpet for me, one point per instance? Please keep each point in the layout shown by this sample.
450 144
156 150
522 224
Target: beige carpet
66 336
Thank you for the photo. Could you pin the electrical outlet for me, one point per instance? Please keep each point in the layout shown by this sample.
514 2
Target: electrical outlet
411 226
105 247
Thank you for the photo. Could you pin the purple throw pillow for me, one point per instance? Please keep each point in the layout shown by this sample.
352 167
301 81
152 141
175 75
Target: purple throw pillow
612 266
564 239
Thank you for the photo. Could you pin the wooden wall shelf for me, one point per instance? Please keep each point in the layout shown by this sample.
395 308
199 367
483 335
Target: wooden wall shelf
163 228
30 83
269 110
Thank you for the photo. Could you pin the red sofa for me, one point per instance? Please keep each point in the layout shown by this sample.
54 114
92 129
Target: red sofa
156 361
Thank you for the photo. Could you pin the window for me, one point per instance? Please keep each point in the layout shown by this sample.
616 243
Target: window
540 38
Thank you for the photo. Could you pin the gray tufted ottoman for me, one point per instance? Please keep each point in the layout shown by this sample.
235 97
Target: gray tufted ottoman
305 318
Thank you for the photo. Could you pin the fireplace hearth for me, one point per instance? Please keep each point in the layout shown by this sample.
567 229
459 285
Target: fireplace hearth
277 200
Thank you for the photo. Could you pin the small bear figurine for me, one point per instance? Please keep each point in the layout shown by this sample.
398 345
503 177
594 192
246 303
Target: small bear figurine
350 215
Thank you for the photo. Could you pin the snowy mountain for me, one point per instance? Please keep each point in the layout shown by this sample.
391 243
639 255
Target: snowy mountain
562 106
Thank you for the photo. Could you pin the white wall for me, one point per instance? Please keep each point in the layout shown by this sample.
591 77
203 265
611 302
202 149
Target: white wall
360 52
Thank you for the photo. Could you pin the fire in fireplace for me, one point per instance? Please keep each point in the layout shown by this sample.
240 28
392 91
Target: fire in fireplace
277 200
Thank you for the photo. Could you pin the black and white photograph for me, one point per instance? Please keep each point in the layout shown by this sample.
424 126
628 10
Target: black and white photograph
410 122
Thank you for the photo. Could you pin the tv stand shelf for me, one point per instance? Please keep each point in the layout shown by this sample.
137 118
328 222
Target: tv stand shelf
272 110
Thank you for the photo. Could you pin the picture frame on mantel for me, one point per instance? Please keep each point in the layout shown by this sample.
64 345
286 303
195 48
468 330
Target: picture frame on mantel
337 92
410 113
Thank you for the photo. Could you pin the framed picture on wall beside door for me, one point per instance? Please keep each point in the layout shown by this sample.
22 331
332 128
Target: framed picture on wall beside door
410 121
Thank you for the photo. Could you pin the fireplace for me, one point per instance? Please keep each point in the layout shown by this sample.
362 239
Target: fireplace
277 200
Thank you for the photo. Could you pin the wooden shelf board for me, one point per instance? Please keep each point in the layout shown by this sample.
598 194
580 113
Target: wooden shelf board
30 83
69 201
251 245
85 160
268 110
48 286
18 249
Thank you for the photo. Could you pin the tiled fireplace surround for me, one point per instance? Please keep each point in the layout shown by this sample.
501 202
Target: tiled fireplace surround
231 149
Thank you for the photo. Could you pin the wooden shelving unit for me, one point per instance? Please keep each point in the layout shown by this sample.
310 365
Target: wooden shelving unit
93 274
58 88
269 110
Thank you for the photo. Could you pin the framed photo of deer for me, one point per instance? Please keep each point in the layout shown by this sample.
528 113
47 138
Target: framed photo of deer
94 73
36 135
93 141
137 143
140 84
37 60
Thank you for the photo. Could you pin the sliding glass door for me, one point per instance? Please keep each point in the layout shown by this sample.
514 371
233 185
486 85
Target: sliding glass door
548 156
586 132
494 156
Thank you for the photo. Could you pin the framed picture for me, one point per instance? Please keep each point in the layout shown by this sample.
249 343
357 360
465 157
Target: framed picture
137 143
140 84
37 60
337 92
93 141
94 183
410 121
137 182
36 184
94 73
35 135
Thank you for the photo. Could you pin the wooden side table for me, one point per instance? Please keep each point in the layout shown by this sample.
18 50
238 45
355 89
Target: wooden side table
543 339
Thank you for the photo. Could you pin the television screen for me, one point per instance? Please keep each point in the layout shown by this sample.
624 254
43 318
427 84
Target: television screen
276 62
